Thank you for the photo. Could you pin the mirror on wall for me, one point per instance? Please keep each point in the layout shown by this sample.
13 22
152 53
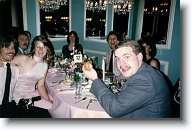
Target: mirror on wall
158 21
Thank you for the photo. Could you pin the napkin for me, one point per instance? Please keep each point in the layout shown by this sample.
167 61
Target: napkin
52 71
62 86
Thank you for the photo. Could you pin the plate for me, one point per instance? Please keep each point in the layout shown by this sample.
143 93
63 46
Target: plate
67 82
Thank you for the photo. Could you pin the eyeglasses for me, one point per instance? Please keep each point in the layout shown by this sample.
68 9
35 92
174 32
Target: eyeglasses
24 40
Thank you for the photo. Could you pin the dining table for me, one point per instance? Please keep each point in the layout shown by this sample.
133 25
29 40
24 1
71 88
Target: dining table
65 104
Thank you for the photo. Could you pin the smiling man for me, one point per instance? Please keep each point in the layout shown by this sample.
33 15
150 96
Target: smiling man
7 52
145 93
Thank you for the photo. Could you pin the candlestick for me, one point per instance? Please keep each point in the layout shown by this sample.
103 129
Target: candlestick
103 68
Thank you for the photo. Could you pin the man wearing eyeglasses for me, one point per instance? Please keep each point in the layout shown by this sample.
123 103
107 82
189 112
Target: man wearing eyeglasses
23 42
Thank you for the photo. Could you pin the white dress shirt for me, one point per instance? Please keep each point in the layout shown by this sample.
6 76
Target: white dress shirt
14 77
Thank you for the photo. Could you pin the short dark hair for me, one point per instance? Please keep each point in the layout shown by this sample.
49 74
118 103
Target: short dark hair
21 32
111 33
136 47
6 41
28 33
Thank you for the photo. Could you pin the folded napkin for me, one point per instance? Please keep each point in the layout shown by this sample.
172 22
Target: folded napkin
62 86
52 71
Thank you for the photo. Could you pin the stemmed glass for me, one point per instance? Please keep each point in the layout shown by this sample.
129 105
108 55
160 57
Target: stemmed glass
84 82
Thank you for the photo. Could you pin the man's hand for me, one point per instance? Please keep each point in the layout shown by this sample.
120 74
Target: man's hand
90 74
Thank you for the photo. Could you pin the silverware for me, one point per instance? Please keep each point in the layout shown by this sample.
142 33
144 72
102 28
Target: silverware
81 99
57 83
90 101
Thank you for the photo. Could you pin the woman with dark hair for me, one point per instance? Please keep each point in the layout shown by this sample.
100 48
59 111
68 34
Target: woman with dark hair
73 44
150 52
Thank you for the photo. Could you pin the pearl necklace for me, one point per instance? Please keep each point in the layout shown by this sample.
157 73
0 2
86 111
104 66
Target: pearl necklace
37 59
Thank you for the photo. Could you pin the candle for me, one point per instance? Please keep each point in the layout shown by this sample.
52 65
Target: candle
103 68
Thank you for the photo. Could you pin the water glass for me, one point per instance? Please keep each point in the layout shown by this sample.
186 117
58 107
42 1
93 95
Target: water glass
78 91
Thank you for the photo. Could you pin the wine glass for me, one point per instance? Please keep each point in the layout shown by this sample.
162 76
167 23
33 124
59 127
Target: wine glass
84 82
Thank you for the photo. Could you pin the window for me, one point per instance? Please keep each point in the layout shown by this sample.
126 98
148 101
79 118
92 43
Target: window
95 23
158 21
155 20
96 15
120 24
55 23
11 22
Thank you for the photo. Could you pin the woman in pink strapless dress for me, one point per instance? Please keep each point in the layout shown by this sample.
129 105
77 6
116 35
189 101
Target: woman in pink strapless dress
33 69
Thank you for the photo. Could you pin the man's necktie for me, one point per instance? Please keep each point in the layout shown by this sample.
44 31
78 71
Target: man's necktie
7 85
111 63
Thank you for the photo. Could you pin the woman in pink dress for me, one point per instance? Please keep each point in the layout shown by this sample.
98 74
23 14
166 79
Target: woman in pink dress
33 69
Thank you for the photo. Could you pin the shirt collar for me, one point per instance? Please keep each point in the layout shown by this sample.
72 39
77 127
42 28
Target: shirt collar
21 50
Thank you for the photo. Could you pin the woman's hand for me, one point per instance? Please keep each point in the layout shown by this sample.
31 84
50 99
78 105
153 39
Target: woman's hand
50 100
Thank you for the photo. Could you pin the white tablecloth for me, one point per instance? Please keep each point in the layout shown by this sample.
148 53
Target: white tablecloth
64 105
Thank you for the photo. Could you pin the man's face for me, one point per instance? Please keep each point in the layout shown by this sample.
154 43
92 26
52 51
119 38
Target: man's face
112 41
7 54
23 41
127 61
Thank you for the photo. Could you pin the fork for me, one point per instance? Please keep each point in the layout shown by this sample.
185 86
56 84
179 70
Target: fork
90 101
57 83
81 99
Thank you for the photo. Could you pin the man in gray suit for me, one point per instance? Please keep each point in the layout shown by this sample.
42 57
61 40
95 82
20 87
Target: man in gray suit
145 94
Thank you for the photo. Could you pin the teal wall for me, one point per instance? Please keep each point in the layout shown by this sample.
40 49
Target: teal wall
100 48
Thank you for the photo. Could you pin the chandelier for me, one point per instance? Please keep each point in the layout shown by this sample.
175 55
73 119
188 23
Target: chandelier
51 5
120 6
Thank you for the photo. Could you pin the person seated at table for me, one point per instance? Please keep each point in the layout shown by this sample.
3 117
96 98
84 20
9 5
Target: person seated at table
111 65
23 42
145 93
7 52
32 74
150 52
73 44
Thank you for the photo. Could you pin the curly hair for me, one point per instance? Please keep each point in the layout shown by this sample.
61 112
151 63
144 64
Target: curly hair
46 42
149 41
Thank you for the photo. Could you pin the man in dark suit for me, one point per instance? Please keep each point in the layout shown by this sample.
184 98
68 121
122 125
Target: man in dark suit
7 52
145 94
